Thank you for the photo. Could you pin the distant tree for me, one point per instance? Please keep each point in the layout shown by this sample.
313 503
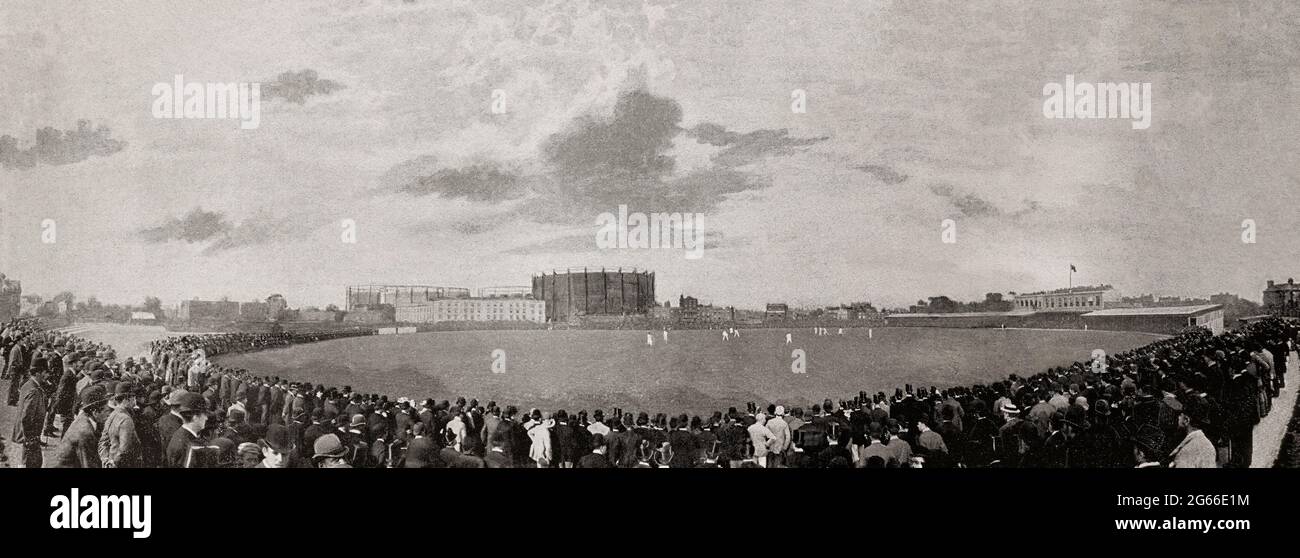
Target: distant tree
942 304
332 308
152 304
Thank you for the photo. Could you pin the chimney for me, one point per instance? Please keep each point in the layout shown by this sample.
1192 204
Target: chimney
1270 283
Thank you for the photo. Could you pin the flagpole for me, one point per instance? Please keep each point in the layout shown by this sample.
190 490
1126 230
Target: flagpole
1071 276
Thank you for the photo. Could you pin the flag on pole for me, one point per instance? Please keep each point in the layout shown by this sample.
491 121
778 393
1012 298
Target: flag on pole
1072 268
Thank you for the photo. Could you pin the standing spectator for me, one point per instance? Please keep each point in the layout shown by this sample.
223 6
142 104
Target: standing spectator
119 445
930 441
1243 413
79 447
781 443
194 419
761 438
596 459
684 444
623 444
563 441
16 371
496 457
597 425
540 450
330 453
1195 451
875 448
419 454
29 421
276 449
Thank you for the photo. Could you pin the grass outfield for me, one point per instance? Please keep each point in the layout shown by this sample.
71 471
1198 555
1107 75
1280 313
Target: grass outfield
695 372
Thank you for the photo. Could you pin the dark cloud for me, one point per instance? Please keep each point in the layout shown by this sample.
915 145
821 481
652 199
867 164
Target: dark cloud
196 226
479 183
600 162
632 144
742 149
883 173
55 147
969 204
295 87
200 226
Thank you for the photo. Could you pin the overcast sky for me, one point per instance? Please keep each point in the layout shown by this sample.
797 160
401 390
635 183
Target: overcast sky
379 111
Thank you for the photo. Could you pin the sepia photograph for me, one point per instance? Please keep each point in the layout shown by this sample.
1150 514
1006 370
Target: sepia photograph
1056 237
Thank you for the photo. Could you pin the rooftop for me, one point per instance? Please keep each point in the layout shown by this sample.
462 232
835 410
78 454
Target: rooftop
1082 289
1157 311
962 314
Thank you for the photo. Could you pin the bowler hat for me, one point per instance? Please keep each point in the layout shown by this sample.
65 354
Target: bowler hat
357 420
93 395
329 446
192 402
277 438
1102 407
175 397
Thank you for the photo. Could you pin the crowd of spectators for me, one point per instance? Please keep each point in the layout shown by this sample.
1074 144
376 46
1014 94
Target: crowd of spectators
1191 400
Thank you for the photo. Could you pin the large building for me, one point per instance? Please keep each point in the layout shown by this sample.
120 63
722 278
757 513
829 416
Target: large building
1073 299
475 310
214 310
585 292
1167 320
511 291
31 305
254 312
1282 298
11 293
367 297
776 311
688 309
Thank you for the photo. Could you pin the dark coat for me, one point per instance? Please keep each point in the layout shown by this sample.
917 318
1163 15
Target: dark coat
150 444
179 448
732 439
79 448
1241 406
593 461
420 453
29 421
519 444
65 398
623 448
685 447
402 422
166 425
16 370
309 436
225 387
563 444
